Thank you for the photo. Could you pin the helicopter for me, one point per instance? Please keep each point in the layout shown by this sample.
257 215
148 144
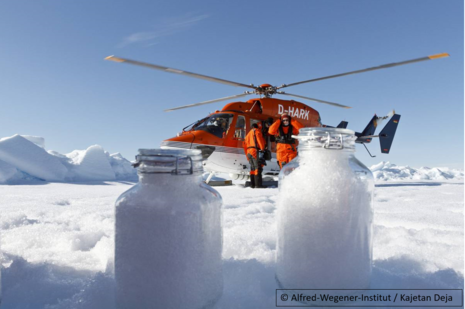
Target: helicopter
221 134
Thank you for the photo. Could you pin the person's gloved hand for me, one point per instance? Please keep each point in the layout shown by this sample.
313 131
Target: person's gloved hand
261 157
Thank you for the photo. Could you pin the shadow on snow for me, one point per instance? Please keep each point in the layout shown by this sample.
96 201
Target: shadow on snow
247 283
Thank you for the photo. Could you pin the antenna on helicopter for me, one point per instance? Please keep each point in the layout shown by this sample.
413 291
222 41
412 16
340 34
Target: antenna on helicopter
266 90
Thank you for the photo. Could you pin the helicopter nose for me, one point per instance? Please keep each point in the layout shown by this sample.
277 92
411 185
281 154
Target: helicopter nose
185 140
181 141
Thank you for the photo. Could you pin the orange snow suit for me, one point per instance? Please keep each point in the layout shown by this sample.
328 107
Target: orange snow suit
254 141
286 147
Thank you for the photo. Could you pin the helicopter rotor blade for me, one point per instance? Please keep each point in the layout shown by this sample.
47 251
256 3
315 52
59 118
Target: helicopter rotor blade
384 66
181 72
208 102
313 99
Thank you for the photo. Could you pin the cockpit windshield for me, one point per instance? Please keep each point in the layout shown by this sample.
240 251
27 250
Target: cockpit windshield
216 124
192 126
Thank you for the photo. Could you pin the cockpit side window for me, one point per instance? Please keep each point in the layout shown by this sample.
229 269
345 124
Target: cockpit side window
239 131
216 124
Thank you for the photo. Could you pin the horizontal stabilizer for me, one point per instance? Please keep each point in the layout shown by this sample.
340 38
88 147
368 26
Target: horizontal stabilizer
366 135
386 136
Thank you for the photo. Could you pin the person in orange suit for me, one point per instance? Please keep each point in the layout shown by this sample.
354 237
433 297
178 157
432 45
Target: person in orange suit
255 145
286 147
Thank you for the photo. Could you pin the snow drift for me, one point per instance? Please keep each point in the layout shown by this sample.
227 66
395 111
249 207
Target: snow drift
39 141
90 164
26 156
23 159
7 171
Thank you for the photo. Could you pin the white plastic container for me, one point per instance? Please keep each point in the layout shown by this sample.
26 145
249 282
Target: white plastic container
325 214
168 235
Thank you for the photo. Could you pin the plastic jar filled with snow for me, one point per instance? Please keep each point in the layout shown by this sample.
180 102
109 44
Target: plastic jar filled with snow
324 214
168 235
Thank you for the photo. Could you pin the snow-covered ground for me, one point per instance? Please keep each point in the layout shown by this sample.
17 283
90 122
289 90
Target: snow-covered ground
57 226
57 242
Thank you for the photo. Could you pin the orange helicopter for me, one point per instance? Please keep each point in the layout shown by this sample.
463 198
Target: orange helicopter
220 135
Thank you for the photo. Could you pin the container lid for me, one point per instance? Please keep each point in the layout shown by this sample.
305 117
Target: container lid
327 138
173 161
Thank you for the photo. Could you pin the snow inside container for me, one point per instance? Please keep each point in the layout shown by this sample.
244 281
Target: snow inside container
324 214
168 240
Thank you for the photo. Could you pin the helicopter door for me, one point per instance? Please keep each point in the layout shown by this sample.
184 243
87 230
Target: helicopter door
266 136
253 121
272 167
234 153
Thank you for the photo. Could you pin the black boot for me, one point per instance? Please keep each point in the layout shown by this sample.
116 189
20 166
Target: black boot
258 181
252 181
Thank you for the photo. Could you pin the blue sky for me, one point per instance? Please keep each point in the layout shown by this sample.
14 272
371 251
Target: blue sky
54 82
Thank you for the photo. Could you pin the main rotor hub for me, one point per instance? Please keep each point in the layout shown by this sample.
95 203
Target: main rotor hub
265 89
